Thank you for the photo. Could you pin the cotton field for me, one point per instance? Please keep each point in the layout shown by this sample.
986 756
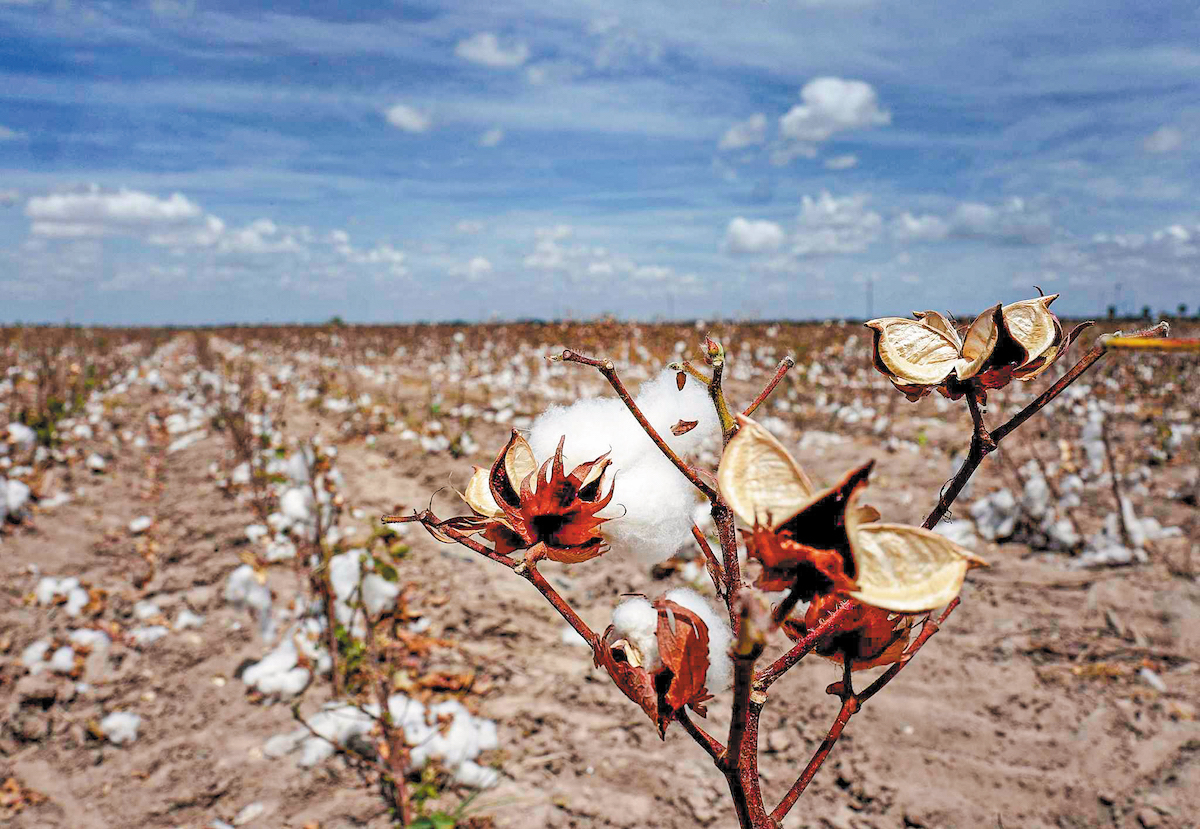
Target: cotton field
207 624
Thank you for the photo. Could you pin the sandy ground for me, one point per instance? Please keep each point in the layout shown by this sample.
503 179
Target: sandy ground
1027 710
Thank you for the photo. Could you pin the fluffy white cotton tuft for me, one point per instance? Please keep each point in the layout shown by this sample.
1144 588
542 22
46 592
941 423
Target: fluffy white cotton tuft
720 663
120 726
636 621
652 502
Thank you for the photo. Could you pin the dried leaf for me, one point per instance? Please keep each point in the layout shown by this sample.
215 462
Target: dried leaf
683 427
680 380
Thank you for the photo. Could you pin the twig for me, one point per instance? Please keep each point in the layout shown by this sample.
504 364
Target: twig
723 518
978 451
716 393
530 573
768 676
785 365
1114 478
850 705
606 368
714 567
436 527
927 630
706 741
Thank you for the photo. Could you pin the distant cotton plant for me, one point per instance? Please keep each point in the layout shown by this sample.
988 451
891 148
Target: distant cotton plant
620 475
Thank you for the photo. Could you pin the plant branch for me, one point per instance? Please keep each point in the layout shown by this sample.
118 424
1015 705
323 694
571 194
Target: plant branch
850 704
528 571
929 628
716 393
609 371
706 741
785 365
714 567
723 518
436 528
767 677
982 442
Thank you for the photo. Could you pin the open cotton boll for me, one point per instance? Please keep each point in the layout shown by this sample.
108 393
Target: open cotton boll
651 511
636 621
120 726
664 404
720 664
593 427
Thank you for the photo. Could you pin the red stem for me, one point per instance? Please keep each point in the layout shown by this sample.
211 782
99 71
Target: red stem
606 368
767 677
714 567
785 366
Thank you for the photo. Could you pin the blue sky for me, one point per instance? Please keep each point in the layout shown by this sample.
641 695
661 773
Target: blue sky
196 161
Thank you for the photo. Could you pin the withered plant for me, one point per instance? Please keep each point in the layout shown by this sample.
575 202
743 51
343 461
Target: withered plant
873 589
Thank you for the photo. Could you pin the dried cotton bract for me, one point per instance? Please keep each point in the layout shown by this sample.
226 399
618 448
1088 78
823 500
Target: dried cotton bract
818 543
667 654
521 505
652 501
1017 341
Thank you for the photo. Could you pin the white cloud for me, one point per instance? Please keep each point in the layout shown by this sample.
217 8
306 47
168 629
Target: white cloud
1012 222
832 105
468 226
96 212
785 153
1166 139
477 269
751 236
907 227
831 225
492 137
484 48
408 119
745 133
7 134
841 162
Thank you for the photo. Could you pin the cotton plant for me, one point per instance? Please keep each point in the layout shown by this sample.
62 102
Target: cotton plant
614 475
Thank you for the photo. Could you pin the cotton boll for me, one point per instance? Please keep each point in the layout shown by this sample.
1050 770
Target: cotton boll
470 773
89 638
120 727
63 660
664 405
636 621
651 511
720 664
285 685
188 619
378 593
592 427
34 656
77 600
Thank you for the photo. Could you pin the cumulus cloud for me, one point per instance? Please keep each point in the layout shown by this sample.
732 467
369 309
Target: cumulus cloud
926 228
1165 139
833 105
830 225
485 49
589 266
96 212
408 119
745 133
477 269
1013 222
841 162
492 137
9 134
753 236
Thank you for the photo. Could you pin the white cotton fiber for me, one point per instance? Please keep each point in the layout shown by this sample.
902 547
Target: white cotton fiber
636 621
120 726
63 660
664 405
652 502
720 663
650 512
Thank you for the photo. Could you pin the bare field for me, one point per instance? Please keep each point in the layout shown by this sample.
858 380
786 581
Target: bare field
1063 693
